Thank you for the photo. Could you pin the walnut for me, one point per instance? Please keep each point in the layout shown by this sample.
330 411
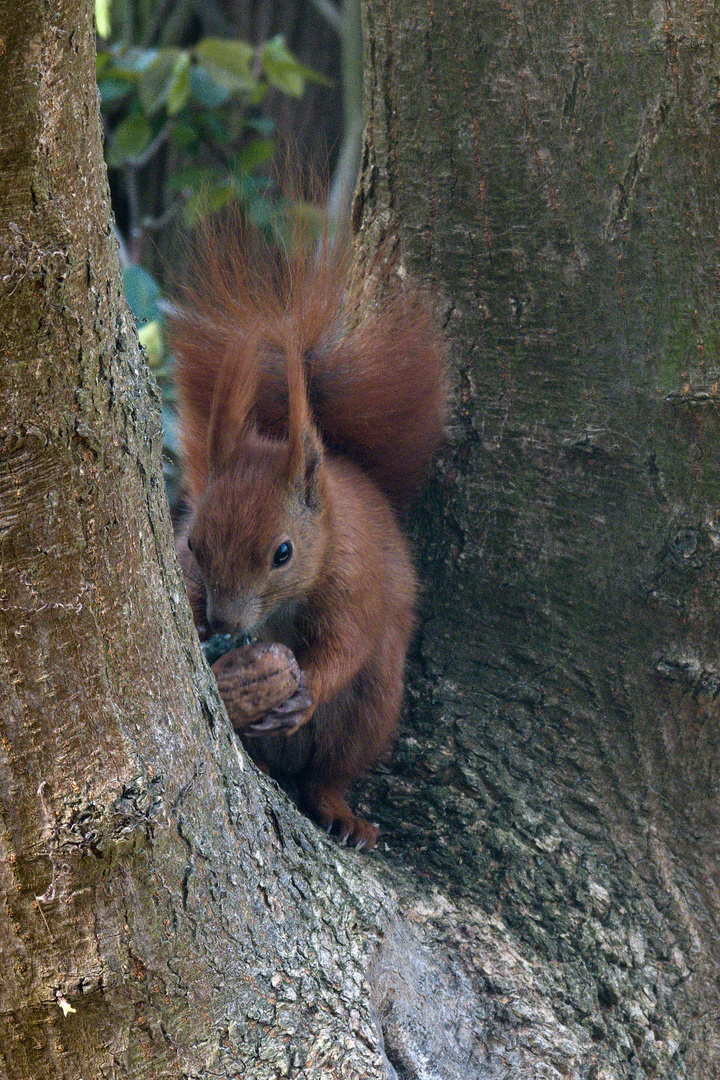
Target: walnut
263 689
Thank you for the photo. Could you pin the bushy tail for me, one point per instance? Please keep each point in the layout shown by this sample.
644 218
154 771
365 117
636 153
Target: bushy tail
380 395
375 377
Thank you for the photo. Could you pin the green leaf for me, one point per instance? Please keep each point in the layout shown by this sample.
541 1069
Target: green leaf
102 63
185 136
252 156
102 18
143 294
151 339
157 80
207 201
257 96
129 139
214 128
262 125
262 213
281 67
113 89
229 63
133 61
248 188
179 91
284 71
205 90
193 179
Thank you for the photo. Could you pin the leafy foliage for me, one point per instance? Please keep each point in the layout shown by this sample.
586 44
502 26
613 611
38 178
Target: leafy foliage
189 98
188 115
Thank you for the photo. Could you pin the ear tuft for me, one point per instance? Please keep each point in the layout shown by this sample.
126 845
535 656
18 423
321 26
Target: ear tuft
232 402
309 475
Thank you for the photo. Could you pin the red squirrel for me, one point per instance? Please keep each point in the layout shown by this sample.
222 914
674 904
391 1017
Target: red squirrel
307 421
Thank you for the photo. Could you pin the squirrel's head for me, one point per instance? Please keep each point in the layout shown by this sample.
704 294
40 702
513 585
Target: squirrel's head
258 533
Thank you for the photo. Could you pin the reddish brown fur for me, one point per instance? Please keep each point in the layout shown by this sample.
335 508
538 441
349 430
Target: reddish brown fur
375 378
264 340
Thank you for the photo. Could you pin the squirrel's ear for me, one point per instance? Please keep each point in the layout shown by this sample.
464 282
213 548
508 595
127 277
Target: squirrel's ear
235 393
308 475
226 435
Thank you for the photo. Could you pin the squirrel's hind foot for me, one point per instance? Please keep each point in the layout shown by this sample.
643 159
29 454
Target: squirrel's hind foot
326 804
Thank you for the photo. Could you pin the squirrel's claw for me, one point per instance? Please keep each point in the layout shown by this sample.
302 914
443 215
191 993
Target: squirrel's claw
285 718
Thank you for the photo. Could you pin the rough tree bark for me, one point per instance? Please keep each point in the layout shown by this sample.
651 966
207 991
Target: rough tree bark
555 166
164 911
544 903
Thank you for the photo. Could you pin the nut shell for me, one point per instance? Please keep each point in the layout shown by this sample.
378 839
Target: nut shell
255 679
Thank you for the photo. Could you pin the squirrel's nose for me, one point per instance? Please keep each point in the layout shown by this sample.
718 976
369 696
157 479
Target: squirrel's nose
232 614
219 625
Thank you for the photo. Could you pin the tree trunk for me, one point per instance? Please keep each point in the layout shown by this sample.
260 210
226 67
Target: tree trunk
165 912
554 171
550 810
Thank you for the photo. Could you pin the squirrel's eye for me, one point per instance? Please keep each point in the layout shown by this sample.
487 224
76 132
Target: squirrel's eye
283 553
189 545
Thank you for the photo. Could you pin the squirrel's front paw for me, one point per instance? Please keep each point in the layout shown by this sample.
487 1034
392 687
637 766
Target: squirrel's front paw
285 718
